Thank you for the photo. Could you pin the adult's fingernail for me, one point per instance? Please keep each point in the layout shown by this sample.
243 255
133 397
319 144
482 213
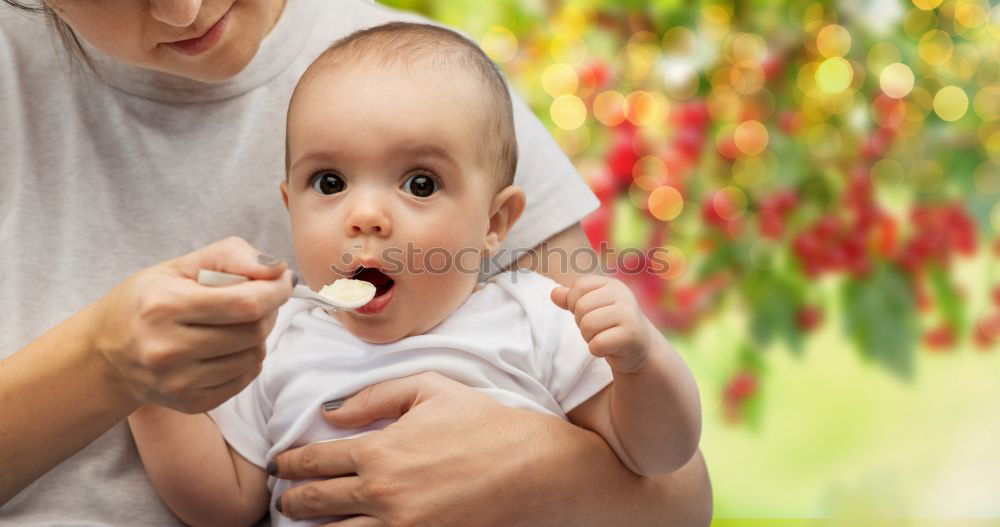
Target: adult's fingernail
267 259
295 279
330 406
277 505
272 467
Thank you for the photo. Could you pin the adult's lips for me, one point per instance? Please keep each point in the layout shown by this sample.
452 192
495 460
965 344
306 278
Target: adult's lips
201 43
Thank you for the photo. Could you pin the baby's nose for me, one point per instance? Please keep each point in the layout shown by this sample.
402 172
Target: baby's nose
368 220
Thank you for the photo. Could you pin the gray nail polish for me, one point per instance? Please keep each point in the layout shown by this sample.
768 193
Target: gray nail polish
295 280
330 406
267 259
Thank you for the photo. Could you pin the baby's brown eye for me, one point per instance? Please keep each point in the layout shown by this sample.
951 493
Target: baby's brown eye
327 183
420 185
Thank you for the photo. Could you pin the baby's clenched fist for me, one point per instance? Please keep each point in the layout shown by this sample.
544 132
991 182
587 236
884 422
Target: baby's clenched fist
609 319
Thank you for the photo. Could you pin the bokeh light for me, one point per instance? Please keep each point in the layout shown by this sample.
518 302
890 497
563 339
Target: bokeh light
560 79
834 75
951 103
665 203
610 108
896 80
751 137
833 41
499 43
568 112
935 47
676 263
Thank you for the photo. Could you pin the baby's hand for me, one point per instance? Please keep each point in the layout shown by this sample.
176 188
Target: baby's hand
610 320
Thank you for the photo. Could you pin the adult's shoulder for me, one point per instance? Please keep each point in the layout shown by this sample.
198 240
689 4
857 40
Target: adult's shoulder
32 60
25 39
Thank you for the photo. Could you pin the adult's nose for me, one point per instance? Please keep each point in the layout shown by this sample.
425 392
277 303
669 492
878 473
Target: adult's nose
179 13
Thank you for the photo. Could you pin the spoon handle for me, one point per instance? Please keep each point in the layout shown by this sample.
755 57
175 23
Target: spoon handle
220 278
302 291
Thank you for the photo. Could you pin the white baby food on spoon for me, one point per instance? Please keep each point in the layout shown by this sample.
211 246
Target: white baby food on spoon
346 291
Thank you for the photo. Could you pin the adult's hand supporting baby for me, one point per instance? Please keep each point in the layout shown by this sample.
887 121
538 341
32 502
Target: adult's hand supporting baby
186 346
456 457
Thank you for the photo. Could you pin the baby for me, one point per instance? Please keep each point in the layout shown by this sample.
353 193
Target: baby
401 155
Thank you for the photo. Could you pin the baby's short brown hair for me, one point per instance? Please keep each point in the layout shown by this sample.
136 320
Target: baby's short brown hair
405 45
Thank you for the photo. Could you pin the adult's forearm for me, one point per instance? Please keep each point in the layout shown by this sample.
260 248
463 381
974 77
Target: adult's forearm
617 496
554 258
57 395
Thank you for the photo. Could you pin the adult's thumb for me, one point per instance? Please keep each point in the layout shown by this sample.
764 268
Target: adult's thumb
231 255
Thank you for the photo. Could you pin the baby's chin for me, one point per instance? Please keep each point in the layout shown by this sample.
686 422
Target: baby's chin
375 330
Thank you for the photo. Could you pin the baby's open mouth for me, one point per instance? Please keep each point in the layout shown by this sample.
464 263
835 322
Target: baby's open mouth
377 278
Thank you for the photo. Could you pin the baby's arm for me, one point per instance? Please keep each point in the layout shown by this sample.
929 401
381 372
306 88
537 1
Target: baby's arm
651 413
202 479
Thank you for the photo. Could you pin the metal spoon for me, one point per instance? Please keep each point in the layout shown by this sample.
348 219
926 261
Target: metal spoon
219 278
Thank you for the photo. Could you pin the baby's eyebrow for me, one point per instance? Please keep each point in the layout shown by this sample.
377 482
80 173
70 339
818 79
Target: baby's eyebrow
318 157
427 150
404 151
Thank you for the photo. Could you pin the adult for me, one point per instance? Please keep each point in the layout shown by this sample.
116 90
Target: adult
151 131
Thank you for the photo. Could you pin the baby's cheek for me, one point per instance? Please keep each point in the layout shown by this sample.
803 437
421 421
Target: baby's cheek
317 255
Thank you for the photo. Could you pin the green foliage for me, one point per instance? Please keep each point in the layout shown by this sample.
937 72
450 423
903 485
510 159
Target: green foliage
880 318
774 300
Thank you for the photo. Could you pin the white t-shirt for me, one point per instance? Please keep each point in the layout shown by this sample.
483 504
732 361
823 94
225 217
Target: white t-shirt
508 340
102 176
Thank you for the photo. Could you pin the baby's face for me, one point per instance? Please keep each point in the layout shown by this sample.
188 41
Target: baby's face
383 175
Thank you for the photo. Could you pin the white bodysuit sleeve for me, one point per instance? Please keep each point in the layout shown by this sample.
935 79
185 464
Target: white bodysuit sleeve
570 372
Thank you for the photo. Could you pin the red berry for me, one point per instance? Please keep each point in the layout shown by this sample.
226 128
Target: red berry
772 66
987 331
790 122
597 226
886 235
727 147
680 320
621 160
828 227
940 338
771 224
809 318
860 266
694 114
688 296
742 386
710 212
787 201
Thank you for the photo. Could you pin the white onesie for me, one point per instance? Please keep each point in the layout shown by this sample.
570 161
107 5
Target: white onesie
508 340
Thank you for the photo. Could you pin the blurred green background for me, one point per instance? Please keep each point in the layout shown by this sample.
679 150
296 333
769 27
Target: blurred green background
825 178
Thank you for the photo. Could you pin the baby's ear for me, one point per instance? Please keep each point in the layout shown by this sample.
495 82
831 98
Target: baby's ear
284 193
506 208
